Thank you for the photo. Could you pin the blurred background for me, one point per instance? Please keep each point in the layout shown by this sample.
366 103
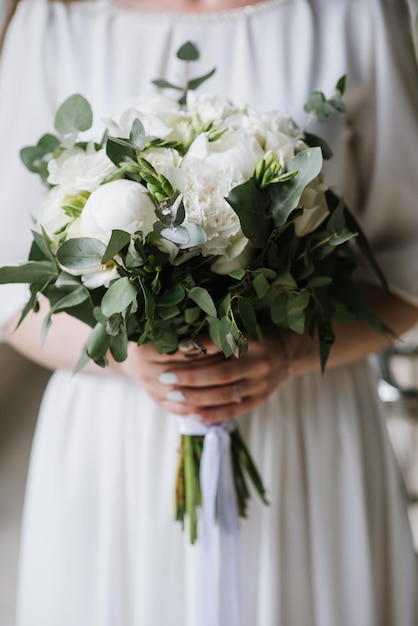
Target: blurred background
21 387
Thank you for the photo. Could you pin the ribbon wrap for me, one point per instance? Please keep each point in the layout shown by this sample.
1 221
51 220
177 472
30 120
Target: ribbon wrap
219 567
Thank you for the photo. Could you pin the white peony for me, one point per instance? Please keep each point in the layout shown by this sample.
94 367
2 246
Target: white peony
119 204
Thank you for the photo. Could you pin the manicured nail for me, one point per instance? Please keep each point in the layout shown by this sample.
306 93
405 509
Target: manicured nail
168 378
186 346
176 396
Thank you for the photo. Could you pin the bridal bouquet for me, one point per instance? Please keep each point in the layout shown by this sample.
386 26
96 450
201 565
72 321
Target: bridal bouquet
192 216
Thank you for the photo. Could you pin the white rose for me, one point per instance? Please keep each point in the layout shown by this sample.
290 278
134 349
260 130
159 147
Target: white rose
78 170
315 208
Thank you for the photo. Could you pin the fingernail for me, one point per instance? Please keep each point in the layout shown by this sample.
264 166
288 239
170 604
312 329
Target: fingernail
168 378
176 396
186 346
194 417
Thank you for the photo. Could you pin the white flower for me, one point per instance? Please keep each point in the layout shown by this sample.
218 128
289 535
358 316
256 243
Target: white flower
206 108
205 187
119 204
157 113
52 217
78 170
315 208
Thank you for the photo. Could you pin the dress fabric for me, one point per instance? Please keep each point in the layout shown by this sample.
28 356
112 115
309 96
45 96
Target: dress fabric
100 546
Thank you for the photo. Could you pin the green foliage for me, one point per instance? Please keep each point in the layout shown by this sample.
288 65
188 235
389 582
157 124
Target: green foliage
188 53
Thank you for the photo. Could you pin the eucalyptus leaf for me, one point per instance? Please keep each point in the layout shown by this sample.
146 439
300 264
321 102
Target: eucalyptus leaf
194 83
188 52
72 298
137 134
120 150
178 235
203 300
81 253
172 296
315 141
98 343
261 285
238 274
251 204
248 316
197 236
30 272
74 114
118 240
118 297
165 84
119 347
285 196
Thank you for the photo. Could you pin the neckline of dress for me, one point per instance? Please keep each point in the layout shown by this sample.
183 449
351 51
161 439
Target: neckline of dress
213 16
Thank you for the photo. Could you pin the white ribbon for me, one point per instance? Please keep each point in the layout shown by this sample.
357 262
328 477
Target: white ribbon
220 570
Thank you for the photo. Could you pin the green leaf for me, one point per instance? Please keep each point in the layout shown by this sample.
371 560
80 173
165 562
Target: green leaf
172 296
196 82
203 300
248 316
285 196
30 272
319 281
251 204
316 141
74 114
188 52
238 274
120 150
118 297
73 298
167 342
118 240
318 106
98 343
81 253
340 86
197 236
119 347
164 84
148 300
215 331
35 158
44 244
261 285
137 134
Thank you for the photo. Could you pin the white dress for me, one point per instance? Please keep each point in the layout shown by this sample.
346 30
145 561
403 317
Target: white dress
100 546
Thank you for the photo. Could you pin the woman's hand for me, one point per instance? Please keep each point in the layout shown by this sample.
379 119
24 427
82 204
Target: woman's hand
209 385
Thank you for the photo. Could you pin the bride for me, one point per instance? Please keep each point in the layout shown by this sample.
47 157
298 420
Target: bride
99 543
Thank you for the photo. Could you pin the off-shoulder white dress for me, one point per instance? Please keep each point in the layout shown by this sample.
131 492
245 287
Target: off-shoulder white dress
100 546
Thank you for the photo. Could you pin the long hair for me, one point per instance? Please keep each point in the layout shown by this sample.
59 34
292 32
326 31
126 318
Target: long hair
10 12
